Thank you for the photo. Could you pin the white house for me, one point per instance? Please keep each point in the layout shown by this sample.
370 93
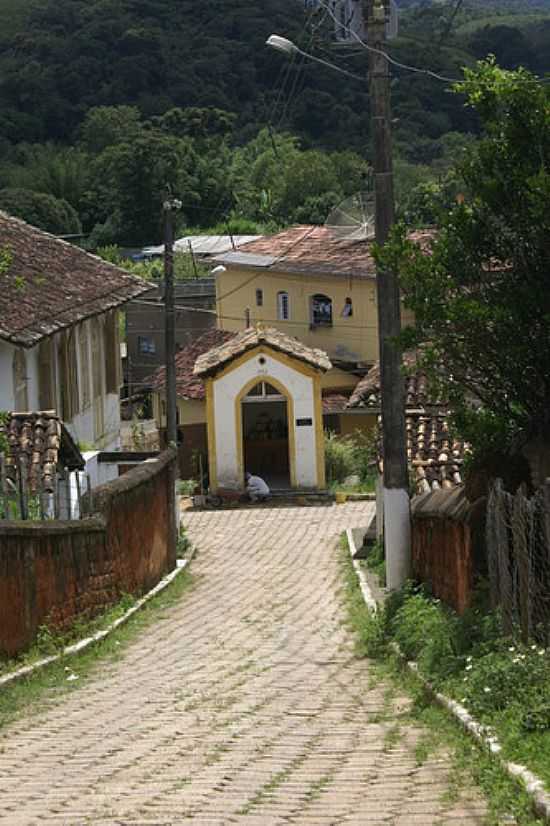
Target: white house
264 411
59 343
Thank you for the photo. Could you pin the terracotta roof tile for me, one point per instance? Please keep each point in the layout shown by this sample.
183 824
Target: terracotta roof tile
188 385
435 457
40 442
312 250
48 284
212 361
334 403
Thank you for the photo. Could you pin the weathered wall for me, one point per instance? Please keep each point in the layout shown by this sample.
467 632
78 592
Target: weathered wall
446 534
52 573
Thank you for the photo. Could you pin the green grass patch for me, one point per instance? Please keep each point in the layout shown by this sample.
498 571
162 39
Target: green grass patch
50 684
430 634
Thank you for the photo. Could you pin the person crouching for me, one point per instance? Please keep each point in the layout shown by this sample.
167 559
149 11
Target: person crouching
256 488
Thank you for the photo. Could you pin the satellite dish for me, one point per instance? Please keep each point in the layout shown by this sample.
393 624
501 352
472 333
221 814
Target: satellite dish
353 219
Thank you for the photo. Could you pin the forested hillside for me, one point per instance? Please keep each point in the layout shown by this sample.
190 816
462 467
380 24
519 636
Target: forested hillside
166 62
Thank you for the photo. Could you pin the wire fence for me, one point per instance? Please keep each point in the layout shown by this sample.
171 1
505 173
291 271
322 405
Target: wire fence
28 492
518 557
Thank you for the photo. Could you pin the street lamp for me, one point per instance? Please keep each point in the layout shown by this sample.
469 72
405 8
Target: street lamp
396 504
283 44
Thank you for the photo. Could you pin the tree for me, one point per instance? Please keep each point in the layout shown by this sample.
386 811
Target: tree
105 126
43 211
131 180
481 297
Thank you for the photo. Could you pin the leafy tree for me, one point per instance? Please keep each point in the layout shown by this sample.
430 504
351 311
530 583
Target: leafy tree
63 172
43 211
131 180
481 298
104 126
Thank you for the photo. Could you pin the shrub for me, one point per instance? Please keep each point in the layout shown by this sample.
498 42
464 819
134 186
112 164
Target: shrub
348 456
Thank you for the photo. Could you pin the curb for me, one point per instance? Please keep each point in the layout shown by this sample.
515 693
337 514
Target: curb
532 784
82 645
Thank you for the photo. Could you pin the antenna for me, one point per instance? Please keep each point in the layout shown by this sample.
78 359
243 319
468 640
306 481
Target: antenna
354 218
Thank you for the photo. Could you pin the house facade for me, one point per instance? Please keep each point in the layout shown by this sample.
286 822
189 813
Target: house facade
59 332
263 409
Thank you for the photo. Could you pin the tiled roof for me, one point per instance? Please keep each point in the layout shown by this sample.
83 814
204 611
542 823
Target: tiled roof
334 403
39 442
435 457
367 391
312 250
215 359
48 284
188 385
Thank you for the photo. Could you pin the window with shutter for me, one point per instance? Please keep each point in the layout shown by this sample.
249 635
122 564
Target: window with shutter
112 353
85 378
20 385
46 399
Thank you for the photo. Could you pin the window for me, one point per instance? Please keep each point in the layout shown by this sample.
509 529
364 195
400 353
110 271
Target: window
259 298
263 391
347 312
321 311
146 346
283 306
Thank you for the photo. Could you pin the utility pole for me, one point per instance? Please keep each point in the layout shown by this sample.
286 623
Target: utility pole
396 506
170 206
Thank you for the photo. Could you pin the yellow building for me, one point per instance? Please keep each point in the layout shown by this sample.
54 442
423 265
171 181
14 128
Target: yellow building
307 285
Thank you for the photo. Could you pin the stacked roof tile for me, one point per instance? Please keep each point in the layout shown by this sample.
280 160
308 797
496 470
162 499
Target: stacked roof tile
39 445
435 456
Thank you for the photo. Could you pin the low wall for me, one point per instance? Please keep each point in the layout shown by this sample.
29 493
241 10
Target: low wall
53 573
446 543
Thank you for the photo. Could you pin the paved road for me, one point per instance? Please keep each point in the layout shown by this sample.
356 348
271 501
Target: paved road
244 705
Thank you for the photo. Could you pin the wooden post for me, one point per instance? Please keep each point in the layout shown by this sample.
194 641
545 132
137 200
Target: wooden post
521 532
23 494
503 550
3 492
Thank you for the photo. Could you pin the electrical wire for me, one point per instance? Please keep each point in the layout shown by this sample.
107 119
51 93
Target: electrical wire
397 63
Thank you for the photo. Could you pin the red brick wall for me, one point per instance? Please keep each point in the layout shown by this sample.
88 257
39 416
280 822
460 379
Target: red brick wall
55 572
446 531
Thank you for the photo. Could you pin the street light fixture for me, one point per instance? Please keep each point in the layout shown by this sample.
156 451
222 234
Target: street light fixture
395 495
283 44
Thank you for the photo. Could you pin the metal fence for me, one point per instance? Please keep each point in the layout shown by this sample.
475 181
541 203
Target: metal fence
27 494
518 556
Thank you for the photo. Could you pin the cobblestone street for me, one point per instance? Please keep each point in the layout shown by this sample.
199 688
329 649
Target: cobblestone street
244 704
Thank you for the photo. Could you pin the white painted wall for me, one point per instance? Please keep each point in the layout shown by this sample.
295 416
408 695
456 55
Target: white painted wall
227 388
81 427
7 390
7 396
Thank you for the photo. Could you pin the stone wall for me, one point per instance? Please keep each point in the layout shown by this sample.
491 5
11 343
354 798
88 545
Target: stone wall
447 544
52 573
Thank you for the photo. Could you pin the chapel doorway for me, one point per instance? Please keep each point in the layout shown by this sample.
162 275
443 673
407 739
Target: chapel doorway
265 435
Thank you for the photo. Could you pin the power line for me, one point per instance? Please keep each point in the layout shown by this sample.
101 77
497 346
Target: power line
406 66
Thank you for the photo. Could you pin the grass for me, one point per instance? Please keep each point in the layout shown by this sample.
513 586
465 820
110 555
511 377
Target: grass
50 684
470 763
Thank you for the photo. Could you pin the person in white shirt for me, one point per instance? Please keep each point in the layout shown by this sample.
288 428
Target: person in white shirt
257 489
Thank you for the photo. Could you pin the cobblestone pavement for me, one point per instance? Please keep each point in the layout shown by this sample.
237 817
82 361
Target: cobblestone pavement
244 704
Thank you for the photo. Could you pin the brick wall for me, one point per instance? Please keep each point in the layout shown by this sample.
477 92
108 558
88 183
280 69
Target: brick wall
447 538
55 572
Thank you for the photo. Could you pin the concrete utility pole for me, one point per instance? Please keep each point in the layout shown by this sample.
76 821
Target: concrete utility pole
170 206
396 504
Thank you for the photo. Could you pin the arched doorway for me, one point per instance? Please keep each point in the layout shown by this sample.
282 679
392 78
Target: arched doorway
266 449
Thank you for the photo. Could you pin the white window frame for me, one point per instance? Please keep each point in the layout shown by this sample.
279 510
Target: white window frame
283 306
